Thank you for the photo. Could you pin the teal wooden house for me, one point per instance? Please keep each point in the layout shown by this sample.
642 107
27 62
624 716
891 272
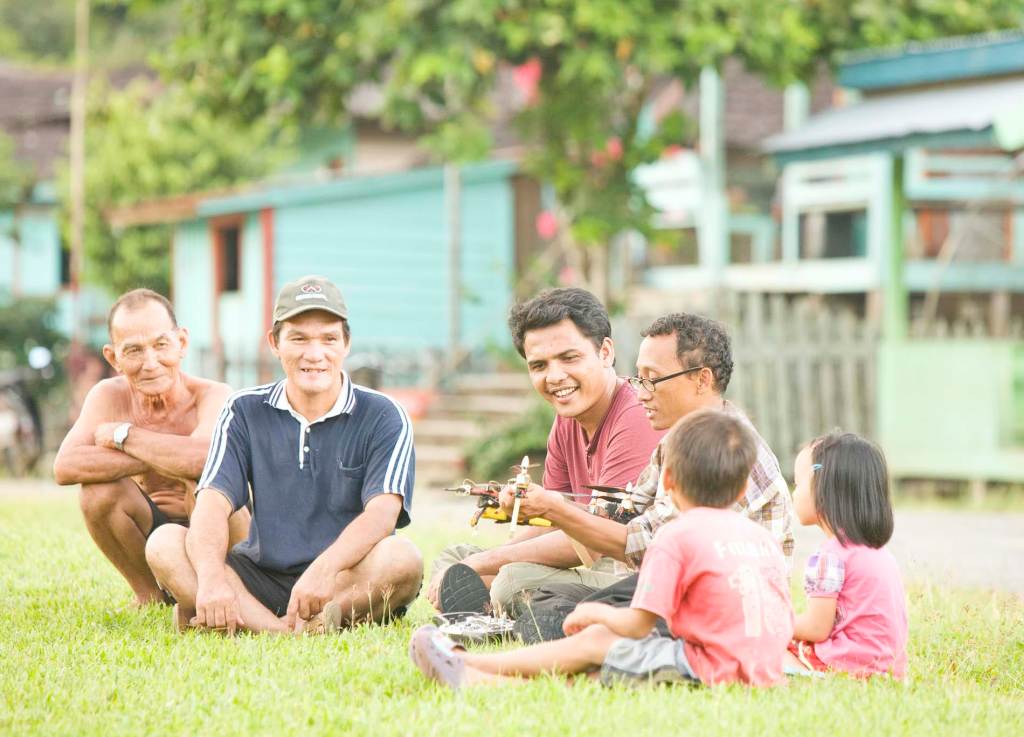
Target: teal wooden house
386 239
35 117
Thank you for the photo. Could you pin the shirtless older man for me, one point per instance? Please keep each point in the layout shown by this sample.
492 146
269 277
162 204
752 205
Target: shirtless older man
140 443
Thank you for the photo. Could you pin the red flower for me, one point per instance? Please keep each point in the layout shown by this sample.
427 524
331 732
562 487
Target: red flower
546 224
527 76
614 148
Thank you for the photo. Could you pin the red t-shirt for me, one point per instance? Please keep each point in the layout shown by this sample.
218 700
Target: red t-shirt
618 452
720 582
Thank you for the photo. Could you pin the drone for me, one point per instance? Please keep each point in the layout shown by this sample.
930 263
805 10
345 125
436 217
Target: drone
611 502
488 506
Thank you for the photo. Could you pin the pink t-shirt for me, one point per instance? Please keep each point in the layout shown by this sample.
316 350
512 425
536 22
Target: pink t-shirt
870 633
618 452
720 582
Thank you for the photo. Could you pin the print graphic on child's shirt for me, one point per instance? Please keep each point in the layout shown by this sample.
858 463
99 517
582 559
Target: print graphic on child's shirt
761 600
744 580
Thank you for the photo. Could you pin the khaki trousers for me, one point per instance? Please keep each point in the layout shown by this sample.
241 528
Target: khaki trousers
512 587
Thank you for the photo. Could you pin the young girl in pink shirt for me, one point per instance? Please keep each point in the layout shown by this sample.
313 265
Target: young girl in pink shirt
856 618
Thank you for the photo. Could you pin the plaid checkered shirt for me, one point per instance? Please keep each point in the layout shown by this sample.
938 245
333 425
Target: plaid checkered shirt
766 500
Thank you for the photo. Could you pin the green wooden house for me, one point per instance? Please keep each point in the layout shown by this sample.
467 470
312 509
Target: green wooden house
912 194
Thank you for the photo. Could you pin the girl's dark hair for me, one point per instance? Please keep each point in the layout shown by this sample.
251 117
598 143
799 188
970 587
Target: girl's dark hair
851 489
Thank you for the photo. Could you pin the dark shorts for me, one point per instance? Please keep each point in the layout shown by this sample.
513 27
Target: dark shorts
552 603
273 589
159 518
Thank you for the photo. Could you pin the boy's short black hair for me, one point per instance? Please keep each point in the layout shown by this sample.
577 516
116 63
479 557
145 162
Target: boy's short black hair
708 455
554 305
700 341
851 489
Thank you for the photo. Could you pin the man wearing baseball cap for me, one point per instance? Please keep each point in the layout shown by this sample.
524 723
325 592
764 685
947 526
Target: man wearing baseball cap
328 467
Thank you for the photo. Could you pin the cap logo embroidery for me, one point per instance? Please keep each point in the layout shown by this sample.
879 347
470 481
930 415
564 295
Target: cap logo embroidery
312 289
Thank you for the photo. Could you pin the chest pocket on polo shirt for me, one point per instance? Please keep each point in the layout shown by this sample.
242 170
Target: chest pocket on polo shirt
347 491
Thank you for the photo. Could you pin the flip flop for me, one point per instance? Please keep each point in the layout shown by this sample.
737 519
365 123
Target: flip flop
437 657
462 590
326 622
182 619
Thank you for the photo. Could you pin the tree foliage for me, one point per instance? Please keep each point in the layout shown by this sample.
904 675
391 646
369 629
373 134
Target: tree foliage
122 32
583 70
144 143
493 454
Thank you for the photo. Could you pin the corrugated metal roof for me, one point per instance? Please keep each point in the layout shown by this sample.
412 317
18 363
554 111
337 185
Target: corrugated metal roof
951 43
970 57
965 108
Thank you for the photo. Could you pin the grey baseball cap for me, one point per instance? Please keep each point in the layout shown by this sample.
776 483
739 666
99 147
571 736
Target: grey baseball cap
307 293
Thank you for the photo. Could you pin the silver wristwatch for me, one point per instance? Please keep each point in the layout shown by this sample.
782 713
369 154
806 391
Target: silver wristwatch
121 434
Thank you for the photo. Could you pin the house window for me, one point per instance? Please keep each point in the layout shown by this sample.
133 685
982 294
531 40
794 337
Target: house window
837 234
967 233
229 241
65 264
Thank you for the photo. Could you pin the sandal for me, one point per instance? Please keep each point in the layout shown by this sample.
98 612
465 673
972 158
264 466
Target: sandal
437 657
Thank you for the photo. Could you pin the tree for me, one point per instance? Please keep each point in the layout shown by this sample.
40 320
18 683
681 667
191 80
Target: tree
144 143
583 69
123 33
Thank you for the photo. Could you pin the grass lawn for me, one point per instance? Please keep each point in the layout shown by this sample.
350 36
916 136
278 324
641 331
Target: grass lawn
72 662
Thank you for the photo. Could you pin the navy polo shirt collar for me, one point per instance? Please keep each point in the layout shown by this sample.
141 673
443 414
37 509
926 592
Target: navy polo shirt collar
344 404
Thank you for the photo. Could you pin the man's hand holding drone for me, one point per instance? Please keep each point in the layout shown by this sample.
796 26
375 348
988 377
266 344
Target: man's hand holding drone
537 501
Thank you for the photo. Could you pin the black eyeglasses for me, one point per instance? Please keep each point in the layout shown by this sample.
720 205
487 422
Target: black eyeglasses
636 382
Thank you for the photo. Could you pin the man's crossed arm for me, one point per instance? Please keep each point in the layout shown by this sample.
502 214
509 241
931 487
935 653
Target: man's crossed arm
88 454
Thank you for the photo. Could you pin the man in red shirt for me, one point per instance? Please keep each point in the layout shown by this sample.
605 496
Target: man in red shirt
600 436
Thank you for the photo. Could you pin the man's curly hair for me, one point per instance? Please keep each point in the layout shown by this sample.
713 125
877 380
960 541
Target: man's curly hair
700 341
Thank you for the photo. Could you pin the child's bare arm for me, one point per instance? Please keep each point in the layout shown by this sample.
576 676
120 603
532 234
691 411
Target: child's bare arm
633 623
815 624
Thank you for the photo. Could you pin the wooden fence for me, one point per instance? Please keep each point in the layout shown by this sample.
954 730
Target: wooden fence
800 369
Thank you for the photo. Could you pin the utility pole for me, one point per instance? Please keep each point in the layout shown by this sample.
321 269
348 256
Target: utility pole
453 208
79 89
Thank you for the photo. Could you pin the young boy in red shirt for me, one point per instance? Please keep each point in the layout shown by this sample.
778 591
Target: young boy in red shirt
718 579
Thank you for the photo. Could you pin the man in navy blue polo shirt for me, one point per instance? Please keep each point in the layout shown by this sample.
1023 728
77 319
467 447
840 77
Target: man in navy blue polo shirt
327 467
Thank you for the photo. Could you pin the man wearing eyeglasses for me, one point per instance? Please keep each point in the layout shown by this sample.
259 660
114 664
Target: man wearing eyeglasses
684 365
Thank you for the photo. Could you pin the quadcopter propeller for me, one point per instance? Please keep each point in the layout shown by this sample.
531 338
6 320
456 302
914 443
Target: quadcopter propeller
607 489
